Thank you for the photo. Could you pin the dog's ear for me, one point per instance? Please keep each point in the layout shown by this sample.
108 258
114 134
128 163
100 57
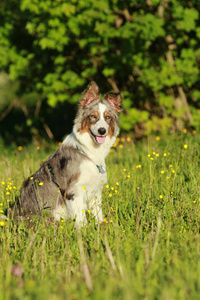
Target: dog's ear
115 100
90 94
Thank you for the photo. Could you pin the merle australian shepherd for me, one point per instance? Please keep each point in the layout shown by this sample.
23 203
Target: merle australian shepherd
70 181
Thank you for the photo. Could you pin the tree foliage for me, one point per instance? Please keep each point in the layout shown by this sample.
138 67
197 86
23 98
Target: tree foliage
149 50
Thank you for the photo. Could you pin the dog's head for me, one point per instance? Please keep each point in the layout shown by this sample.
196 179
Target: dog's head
99 118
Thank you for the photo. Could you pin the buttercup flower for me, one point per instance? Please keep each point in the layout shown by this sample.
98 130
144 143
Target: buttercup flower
138 167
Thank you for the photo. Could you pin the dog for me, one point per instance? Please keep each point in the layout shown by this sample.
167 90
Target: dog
70 181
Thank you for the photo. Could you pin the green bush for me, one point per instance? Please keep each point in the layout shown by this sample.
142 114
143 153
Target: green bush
149 50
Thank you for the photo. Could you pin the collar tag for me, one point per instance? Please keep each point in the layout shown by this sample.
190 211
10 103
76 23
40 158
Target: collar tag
101 169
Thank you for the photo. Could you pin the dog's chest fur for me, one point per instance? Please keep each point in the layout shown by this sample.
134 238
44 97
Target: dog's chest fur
92 179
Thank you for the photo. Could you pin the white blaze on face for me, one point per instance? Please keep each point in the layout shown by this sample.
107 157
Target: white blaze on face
100 128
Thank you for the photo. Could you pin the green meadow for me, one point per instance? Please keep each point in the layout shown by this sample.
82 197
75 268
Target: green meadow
148 246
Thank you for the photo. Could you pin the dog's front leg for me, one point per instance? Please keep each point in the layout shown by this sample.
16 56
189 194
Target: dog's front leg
95 207
76 209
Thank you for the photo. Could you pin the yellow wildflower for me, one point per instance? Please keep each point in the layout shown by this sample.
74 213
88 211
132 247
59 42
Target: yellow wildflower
138 167
185 146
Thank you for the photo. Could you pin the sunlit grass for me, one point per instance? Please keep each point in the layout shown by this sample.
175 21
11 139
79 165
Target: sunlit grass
148 246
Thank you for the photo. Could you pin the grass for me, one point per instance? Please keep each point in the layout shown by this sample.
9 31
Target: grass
147 248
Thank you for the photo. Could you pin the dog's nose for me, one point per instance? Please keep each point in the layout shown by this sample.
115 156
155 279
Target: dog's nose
101 130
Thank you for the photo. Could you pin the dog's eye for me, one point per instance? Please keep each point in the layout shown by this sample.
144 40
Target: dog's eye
108 118
93 117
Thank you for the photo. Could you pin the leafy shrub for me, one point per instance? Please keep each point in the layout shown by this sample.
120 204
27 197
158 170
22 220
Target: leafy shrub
149 50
